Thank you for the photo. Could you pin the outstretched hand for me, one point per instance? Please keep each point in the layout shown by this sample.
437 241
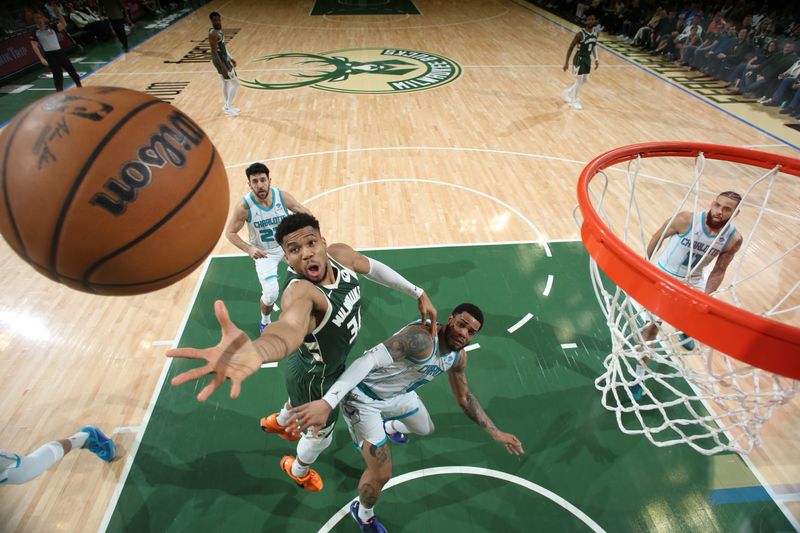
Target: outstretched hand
511 442
233 358
427 311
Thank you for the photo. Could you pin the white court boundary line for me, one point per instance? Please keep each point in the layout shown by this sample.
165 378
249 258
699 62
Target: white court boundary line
424 246
475 471
522 321
142 427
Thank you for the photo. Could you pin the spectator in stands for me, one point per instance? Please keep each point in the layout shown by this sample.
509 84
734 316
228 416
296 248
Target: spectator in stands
717 24
762 35
688 51
753 64
722 45
85 20
764 79
721 65
642 36
782 94
793 107
666 41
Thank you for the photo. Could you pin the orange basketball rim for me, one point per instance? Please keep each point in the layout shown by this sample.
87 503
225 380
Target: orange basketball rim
750 338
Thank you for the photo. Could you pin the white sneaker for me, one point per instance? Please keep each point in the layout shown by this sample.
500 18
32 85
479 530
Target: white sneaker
236 109
577 105
231 111
567 96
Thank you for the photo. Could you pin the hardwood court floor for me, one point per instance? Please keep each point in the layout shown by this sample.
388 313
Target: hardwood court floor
491 156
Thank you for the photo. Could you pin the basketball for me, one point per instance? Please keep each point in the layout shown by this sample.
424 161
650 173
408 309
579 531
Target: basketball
110 191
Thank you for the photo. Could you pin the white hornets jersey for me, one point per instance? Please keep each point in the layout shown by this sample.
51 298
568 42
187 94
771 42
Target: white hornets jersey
683 252
408 374
262 222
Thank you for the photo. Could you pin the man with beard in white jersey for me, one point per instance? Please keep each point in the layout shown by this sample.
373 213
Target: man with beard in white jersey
379 402
262 209
693 241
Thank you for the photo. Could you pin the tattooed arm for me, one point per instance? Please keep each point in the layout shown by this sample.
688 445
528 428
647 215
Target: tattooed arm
413 341
472 408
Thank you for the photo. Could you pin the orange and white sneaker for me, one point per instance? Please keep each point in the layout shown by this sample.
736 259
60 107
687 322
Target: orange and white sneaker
310 482
270 425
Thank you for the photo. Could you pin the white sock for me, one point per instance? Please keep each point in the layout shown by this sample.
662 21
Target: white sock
640 369
233 88
78 439
576 88
395 426
571 90
33 465
298 469
225 93
364 512
283 416
265 319
229 91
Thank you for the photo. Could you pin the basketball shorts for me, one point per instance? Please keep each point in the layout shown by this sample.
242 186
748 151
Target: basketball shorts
267 269
364 415
305 383
581 65
697 282
228 66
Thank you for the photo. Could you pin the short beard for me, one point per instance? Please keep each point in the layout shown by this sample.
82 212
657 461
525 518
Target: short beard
713 225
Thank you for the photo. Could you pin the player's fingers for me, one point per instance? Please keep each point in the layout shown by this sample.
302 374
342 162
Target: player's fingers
190 375
186 353
236 388
222 314
209 389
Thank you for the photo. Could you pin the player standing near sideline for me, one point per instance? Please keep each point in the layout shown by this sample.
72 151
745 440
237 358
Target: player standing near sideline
586 41
224 63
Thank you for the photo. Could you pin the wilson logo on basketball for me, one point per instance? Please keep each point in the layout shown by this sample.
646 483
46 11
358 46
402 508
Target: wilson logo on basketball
168 146
358 70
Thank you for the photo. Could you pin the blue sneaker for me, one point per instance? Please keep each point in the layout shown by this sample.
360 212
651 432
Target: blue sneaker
261 327
370 526
398 438
98 443
686 341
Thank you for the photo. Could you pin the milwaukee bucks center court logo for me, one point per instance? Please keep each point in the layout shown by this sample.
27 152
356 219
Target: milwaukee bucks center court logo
356 70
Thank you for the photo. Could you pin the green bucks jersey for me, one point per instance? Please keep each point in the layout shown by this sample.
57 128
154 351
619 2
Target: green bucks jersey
586 46
324 350
221 50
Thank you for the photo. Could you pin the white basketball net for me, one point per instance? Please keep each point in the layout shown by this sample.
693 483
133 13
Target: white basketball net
694 394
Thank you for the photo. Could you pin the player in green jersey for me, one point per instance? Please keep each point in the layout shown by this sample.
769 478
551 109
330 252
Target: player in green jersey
586 41
316 329
224 63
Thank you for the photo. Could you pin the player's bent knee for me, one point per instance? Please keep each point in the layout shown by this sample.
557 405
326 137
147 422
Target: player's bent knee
269 292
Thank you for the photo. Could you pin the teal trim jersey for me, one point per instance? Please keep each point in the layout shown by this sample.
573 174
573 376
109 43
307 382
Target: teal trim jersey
262 222
682 253
408 374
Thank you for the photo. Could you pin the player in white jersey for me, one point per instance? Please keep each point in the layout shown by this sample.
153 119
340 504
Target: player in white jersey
379 399
262 209
693 241
16 470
